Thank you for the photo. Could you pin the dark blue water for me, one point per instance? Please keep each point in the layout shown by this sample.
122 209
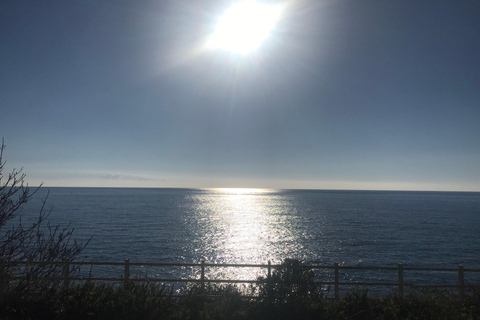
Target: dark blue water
355 228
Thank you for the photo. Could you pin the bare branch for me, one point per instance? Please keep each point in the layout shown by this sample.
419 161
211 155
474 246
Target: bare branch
39 241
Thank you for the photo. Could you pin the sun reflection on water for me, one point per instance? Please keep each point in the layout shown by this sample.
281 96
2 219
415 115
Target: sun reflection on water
243 226
241 190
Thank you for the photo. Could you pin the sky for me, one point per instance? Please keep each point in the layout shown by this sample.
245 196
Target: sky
343 94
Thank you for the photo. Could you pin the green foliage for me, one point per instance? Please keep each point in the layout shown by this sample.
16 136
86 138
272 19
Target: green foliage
129 301
143 300
214 302
91 301
292 283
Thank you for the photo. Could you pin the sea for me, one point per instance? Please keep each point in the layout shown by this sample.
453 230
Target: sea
255 226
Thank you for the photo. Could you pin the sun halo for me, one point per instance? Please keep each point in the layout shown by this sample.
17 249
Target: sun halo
244 26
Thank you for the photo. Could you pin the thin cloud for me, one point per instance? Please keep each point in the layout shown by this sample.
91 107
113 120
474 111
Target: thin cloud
129 177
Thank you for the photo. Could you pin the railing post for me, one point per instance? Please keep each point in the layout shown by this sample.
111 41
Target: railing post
126 276
400 280
66 273
202 275
269 274
336 280
461 282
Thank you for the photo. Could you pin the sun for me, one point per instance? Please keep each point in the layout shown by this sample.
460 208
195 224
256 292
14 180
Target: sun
244 26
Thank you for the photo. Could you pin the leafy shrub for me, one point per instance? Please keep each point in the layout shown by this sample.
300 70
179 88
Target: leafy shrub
291 283
152 301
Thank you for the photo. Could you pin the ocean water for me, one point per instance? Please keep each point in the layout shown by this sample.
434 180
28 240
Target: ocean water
353 228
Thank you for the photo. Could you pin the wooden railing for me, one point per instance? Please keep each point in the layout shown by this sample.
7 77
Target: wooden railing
400 270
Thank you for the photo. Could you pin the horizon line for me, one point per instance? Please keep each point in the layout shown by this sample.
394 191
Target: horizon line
261 188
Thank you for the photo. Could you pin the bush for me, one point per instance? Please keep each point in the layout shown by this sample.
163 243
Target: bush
291 284
151 301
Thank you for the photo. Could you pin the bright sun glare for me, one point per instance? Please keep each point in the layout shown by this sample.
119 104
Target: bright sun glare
244 26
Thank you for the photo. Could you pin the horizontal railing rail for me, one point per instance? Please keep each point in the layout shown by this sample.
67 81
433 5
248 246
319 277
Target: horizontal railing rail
66 277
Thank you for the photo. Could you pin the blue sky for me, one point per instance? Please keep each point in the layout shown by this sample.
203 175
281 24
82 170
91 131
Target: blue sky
344 94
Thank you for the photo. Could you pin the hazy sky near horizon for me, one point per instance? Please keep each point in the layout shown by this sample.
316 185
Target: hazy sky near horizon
344 94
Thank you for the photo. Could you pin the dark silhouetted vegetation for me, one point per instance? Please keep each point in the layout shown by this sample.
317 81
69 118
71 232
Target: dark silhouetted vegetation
272 300
290 284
